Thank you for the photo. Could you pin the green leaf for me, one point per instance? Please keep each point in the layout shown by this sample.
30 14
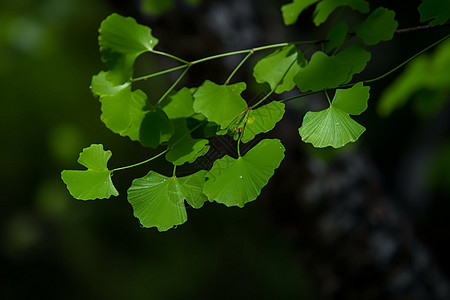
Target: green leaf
101 86
329 127
353 100
121 41
380 25
95 182
337 36
325 7
325 72
262 119
155 129
333 126
292 10
179 104
279 68
220 104
158 201
235 182
438 11
123 112
183 147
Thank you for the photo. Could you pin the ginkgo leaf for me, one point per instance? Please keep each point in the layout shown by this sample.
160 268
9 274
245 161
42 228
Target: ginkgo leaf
183 148
279 68
336 36
438 11
179 104
95 182
121 41
123 112
292 10
353 100
155 128
324 72
235 182
101 86
262 119
380 25
158 201
329 127
325 7
220 104
333 126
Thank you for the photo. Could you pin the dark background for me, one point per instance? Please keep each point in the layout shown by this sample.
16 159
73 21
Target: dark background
369 221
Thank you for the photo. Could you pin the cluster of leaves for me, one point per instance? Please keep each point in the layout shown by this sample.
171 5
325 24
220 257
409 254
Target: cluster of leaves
183 120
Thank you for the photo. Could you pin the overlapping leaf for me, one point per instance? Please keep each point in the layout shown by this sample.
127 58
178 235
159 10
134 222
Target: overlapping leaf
380 25
325 71
292 10
235 182
336 36
220 104
121 41
179 104
184 148
333 126
325 7
95 182
155 128
158 201
435 11
279 68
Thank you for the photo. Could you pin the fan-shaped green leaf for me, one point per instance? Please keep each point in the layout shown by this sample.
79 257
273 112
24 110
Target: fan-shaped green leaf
337 36
262 119
179 104
279 68
101 86
329 127
353 100
325 7
95 182
183 148
380 25
220 103
155 128
235 182
291 11
325 71
123 112
438 11
158 201
121 40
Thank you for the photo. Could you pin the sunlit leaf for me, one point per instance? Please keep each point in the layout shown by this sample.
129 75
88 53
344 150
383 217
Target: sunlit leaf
121 41
262 119
235 182
220 104
155 128
179 104
438 11
158 201
291 11
101 86
123 112
333 126
95 182
279 68
325 71
183 148
325 7
336 36
380 25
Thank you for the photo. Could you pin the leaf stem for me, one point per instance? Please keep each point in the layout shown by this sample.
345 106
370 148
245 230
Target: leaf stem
174 170
239 66
328 98
172 86
170 56
160 73
141 163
